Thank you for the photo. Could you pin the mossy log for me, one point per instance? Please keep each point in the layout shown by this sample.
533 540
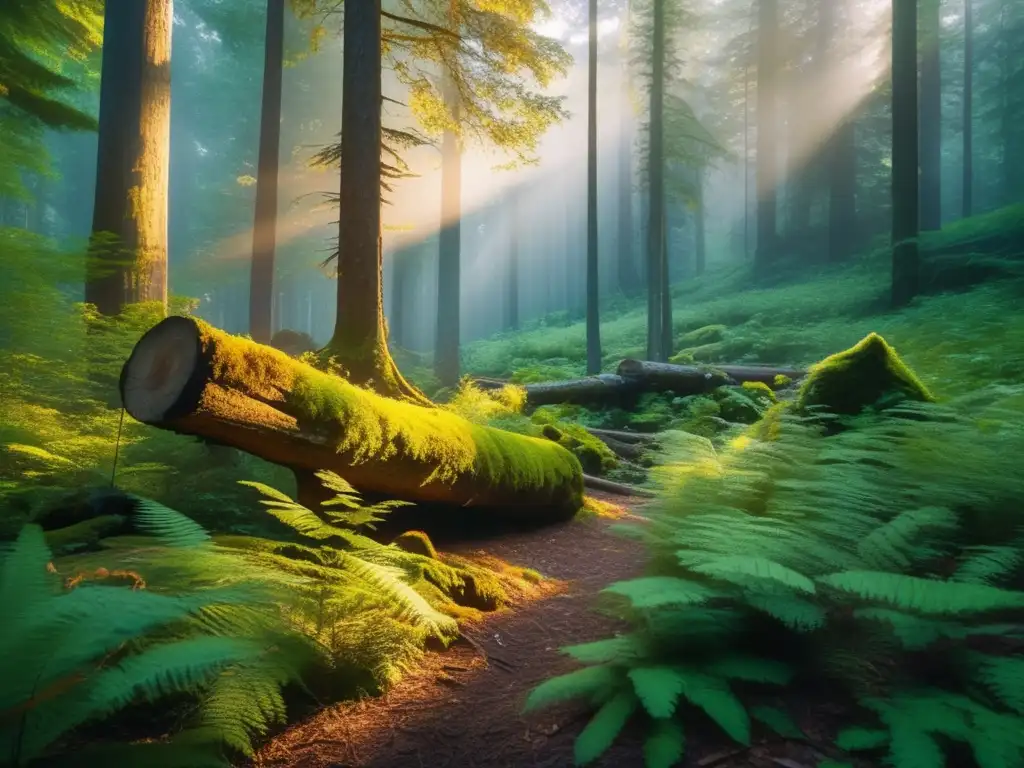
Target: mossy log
636 377
188 377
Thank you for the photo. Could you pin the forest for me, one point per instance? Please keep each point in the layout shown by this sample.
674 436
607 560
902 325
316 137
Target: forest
512 383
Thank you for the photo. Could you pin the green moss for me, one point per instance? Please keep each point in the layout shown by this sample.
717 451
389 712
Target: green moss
761 391
416 542
708 334
84 535
595 457
781 381
739 405
869 374
366 427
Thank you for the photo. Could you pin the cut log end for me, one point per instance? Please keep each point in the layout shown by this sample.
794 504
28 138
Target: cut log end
157 374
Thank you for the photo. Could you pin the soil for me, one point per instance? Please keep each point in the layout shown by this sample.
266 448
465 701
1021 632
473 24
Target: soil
463 707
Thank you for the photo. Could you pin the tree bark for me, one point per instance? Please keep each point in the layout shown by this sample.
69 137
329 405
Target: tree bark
449 279
629 276
767 135
699 240
512 284
593 300
264 231
930 119
188 377
656 191
127 260
359 344
841 153
636 377
967 200
905 256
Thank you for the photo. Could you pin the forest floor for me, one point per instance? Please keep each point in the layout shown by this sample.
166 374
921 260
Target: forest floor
463 707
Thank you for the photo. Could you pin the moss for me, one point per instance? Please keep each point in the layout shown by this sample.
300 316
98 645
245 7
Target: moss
869 374
761 391
708 334
738 405
367 427
416 542
781 381
595 457
85 535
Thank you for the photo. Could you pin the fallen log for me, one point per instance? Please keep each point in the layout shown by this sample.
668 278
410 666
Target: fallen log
635 377
188 377
621 436
695 379
619 489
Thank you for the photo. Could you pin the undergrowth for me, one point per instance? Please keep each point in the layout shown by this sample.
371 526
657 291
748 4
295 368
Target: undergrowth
880 566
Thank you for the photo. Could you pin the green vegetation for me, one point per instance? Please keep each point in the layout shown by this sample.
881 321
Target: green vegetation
881 566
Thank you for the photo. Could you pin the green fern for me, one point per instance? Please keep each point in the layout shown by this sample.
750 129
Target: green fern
845 543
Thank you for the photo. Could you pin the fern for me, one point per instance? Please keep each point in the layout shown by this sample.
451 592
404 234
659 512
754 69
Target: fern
845 542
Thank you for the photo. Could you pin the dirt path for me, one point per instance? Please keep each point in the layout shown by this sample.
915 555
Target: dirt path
461 710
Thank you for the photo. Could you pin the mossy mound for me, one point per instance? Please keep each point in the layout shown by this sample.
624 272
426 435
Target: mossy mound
416 542
708 334
869 374
595 457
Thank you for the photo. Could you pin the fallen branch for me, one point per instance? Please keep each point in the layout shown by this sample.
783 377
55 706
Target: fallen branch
619 489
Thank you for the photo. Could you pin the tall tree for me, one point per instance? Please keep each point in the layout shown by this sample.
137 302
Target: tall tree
628 272
264 231
930 118
512 278
905 258
593 286
449 267
968 113
841 152
359 344
767 134
656 181
128 250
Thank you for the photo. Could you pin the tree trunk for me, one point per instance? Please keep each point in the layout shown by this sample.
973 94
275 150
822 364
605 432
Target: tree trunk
841 154
593 300
699 244
128 250
665 281
968 113
629 277
767 129
636 377
656 192
359 343
512 279
905 256
187 377
930 120
449 279
264 231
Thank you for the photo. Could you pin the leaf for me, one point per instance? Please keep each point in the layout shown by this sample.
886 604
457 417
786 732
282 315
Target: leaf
739 568
658 688
856 739
924 595
604 727
778 720
665 744
620 649
794 612
659 591
580 684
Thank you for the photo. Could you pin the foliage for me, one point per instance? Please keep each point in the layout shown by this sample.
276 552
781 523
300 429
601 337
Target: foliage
80 651
846 562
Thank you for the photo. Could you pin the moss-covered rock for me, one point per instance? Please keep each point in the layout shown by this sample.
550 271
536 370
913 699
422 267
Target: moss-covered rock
869 374
416 542
708 334
595 457
739 405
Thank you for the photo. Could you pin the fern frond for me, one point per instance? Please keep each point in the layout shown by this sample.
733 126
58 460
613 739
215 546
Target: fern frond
622 649
169 527
778 720
604 727
988 564
665 744
658 689
924 595
741 569
891 545
586 683
660 591
1003 676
